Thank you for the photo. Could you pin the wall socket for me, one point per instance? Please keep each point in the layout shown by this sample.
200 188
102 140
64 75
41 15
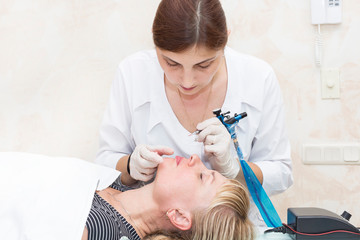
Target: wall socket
341 153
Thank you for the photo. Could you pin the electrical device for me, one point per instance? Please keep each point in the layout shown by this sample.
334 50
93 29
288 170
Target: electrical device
326 11
318 224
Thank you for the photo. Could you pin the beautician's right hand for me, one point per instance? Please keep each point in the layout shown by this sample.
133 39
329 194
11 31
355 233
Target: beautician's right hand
145 159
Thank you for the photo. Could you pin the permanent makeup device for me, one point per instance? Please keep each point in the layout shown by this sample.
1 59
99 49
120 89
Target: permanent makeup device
316 223
257 192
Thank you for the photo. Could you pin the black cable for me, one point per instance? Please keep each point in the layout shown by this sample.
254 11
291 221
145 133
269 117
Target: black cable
283 229
290 229
277 229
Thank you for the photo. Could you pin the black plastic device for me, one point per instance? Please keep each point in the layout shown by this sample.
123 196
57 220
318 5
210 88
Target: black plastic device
318 223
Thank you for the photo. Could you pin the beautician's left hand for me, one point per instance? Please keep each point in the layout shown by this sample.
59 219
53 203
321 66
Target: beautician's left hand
218 147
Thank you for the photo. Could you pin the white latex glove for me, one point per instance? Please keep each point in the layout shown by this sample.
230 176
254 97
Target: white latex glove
145 159
218 147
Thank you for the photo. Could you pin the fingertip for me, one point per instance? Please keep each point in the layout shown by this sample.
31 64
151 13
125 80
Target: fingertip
199 127
170 151
159 159
163 150
200 137
209 148
207 122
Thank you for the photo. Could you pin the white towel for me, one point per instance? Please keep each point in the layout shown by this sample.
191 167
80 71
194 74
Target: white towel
44 197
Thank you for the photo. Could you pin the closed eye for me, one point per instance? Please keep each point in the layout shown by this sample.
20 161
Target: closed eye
204 66
172 64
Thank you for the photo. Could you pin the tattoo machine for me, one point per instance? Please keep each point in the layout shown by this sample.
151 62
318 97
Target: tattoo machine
256 190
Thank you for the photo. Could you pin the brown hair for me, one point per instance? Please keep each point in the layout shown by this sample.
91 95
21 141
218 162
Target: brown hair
181 24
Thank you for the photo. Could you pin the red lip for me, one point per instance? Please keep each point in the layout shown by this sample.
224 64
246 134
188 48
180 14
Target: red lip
178 159
187 89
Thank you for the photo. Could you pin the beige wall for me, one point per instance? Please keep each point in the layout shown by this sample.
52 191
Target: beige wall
58 58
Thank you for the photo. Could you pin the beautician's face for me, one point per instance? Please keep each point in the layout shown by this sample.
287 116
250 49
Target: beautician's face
191 70
186 183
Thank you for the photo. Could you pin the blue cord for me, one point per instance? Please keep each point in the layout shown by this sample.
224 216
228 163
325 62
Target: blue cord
257 192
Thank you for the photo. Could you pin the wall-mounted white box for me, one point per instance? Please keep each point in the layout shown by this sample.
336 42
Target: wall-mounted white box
351 153
312 154
327 154
332 154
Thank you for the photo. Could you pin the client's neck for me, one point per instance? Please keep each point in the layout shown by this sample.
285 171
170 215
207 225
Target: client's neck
144 211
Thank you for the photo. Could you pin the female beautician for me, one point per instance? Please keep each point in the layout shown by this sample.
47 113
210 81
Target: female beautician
161 96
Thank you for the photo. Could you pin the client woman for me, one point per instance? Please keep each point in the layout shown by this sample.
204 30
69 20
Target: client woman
58 198
185 197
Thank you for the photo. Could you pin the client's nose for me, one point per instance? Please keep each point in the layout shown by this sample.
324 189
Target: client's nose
194 159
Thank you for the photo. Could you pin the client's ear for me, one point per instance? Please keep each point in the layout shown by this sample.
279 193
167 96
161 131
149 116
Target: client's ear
180 218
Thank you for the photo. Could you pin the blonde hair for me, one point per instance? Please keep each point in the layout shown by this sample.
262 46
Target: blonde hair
226 217
166 235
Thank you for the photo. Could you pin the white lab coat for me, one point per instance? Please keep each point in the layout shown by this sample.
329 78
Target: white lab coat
139 113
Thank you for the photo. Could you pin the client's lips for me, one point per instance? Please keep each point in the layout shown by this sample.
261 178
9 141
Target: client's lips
187 89
178 159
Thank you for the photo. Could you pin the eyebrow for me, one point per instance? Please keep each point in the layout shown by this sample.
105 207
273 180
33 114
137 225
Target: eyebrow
206 60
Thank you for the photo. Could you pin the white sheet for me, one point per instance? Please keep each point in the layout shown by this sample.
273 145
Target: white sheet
44 197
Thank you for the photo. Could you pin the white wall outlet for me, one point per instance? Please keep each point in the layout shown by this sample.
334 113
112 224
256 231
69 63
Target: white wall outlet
312 154
332 154
341 153
351 153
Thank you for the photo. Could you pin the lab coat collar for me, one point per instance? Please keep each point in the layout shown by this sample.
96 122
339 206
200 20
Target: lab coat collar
150 94
156 115
157 95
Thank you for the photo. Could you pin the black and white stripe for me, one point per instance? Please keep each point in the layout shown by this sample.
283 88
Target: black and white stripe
105 223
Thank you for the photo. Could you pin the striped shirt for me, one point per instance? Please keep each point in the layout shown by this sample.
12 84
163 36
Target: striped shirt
106 223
